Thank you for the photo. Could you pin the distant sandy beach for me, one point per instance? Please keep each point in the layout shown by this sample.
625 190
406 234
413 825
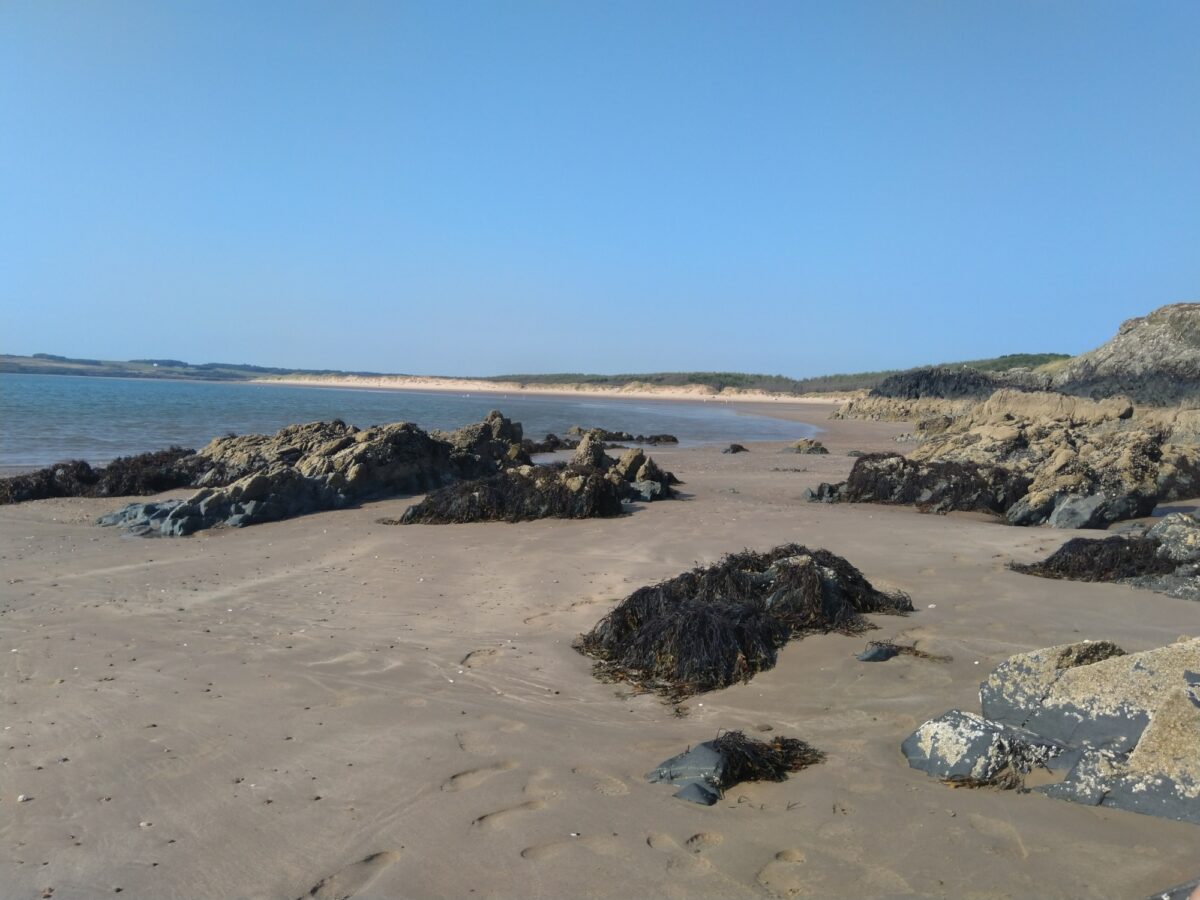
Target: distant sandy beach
332 707
632 391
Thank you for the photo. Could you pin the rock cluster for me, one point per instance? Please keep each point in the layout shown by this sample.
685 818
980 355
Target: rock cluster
323 465
809 446
1084 464
1164 557
592 484
623 436
1122 727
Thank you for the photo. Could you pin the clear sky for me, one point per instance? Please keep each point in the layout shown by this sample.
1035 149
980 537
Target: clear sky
480 188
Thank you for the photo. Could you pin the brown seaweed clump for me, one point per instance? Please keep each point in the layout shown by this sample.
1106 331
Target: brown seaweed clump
747 759
143 474
717 625
1106 559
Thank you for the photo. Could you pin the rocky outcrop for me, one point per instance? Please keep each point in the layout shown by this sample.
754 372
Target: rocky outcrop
146 473
937 487
1154 359
1085 464
1121 726
1164 557
623 436
592 484
324 465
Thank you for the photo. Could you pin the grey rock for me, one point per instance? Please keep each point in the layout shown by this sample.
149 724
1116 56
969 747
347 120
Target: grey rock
697 771
963 745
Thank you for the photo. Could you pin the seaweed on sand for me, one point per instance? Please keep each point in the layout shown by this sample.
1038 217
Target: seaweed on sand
1104 559
145 473
563 493
747 759
721 624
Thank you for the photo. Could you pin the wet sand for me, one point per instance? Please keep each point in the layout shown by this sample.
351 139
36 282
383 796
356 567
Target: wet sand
331 707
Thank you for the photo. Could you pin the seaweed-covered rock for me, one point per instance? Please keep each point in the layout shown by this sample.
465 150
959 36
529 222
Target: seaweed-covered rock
932 486
1163 558
718 625
145 473
625 437
531 492
735 448
808 446
703 773
1125 725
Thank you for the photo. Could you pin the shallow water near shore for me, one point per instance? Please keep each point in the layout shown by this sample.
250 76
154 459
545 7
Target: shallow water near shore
49 418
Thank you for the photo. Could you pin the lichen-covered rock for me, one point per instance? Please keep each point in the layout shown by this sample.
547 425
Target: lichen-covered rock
1128 724
1084 463
962 745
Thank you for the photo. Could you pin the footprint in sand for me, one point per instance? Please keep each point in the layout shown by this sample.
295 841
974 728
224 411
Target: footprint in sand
679 861
602 845
501 817
478 658
473 778
1007 839
606 784
703 840
348 882
784 876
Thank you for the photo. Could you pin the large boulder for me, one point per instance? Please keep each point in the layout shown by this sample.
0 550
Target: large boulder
1125 726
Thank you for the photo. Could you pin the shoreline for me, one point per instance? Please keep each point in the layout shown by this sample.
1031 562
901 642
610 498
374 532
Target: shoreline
696 393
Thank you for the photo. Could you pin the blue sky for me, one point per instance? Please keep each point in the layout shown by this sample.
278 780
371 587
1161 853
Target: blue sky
479 188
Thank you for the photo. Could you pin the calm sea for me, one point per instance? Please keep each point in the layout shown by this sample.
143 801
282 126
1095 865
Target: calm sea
48 418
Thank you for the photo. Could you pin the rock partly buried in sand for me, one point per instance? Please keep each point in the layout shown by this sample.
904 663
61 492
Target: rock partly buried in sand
808 446
704 772
592 485
1189 891
145 473
735 448
932 487
324 465
1164 557
1126 725
715 626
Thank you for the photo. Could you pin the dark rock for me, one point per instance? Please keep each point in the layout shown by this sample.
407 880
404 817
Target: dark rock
146 473
1179 892
931 486
936 381
706 771
735 448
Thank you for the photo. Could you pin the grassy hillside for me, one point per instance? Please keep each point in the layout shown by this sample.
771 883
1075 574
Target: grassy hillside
48 364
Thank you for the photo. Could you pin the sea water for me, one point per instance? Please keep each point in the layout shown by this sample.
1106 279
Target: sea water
48 418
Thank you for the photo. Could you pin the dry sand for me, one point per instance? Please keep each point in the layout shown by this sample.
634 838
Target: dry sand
331 707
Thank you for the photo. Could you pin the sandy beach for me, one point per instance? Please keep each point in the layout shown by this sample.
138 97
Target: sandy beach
331 707
631 391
